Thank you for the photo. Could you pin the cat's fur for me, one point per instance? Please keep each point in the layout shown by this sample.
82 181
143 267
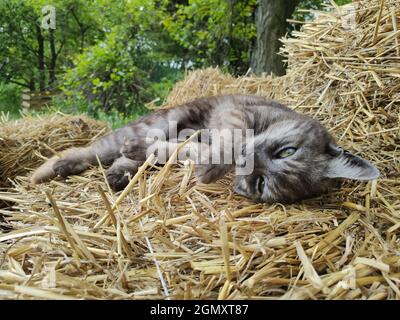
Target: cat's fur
316 162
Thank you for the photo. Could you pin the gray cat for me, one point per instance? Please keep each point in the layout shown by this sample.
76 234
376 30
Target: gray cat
294 156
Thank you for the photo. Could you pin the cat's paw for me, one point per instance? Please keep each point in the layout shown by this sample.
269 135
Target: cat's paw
207 173
120 171
117 180
135 149
66 167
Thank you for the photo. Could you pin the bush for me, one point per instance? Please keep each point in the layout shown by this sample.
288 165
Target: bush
106 77
10 99
114 79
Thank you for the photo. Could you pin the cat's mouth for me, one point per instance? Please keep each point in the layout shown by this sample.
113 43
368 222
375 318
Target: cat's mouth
255 191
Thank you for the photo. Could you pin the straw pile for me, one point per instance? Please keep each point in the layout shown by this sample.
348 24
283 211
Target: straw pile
168 236
25 143
212 81
348 77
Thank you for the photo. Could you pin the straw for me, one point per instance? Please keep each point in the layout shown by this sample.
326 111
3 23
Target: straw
168 236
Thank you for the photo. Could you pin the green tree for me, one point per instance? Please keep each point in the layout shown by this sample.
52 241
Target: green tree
32 56
214 32
121 71
115 55
272 25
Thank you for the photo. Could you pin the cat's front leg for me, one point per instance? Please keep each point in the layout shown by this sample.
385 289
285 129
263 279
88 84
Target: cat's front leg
135 148
227 127
207 173
215 162
120 171
209 167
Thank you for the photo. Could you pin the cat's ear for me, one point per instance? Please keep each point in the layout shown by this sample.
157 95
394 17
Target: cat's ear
347 165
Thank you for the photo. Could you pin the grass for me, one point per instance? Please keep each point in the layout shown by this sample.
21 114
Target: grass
10 108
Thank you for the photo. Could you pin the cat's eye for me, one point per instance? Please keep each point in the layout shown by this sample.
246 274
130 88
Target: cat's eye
260 184
284 153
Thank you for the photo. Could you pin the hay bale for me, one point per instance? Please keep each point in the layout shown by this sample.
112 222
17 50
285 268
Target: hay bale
169 236
25 143
212 81
348 76
166 235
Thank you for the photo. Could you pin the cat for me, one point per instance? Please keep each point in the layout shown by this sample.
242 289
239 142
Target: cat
294 156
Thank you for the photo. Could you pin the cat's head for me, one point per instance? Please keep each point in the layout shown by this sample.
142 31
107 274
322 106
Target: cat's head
298 159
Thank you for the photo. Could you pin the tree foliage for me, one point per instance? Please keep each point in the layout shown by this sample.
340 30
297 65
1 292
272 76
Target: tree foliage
214 32
31 55
116 55
126 65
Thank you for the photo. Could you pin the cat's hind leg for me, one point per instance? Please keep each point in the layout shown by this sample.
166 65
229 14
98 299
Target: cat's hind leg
76 160
120 171
71 161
